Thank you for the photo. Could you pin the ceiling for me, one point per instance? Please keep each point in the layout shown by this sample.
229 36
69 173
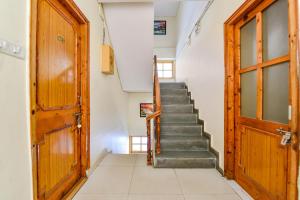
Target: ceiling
166 8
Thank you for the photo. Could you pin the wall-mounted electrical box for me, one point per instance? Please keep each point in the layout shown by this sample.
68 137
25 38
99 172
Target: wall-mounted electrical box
12 49
108 60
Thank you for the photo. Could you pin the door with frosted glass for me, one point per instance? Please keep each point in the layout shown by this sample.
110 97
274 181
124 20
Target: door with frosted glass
263 100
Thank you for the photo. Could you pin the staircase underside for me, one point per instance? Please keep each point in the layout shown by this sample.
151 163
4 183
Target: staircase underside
183 144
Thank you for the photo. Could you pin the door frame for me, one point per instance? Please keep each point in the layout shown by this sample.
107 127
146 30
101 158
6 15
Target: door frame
230 93
85 87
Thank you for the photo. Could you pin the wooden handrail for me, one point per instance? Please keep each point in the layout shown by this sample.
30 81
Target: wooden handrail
155 116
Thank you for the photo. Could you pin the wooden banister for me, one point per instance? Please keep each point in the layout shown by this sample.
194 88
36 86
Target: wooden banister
155 116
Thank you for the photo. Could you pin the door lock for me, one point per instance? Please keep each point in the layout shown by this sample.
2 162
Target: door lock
286 136
78 116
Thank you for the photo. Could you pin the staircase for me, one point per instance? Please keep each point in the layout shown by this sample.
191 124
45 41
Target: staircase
183 144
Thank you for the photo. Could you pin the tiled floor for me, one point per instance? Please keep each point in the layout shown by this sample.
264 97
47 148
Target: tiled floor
126 177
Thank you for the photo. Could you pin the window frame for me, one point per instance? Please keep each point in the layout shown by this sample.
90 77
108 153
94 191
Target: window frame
131 151
173 68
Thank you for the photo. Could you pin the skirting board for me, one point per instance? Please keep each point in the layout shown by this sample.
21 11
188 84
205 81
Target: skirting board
101 156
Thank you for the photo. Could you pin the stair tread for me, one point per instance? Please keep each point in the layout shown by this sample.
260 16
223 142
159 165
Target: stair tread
186 154
183 124
183 138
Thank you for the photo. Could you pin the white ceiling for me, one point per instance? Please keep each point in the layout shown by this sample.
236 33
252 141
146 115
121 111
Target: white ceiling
166 8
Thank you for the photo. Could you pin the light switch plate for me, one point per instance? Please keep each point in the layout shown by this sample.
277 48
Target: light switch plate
11 49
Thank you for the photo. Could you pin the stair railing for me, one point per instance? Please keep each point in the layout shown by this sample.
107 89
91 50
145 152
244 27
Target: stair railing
155 116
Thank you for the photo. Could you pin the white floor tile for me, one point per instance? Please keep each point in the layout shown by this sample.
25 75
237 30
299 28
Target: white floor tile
141 160
147 180
119 160
213 197
155 197
109 180
101 197
202 181
127 177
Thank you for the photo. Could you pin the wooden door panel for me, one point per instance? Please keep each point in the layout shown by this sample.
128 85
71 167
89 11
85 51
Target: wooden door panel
58 155
58 92
263 161
57 66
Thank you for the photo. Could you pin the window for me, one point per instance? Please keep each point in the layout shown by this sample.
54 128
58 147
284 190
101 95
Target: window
165 69
138 144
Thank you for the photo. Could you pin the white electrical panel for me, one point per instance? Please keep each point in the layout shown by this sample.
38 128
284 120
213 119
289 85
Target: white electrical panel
11 49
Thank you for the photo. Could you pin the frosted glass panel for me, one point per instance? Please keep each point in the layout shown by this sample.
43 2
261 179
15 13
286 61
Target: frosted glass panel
168 74
168 66
248 94
248 44
276 93
144 147
136 147
275 30
144 140
159 66
160 74
136 140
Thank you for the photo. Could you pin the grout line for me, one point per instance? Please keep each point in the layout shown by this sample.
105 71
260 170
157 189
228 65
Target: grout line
179 182
132 173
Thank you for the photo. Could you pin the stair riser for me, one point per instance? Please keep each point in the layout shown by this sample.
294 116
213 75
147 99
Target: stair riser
172 86
174 147
167 100
181 129
185 163
178 109
177 92
184 146
179 119
180 134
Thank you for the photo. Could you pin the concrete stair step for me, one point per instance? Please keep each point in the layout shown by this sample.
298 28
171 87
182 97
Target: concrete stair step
181 128
184 143
185 159
172 85
174 92
181 134
170 100
178 108
179 118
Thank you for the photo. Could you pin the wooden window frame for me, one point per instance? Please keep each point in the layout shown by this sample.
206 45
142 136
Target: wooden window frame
85 89
131 143
173 69
247 11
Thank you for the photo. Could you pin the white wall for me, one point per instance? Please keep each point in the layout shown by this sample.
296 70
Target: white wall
137 125
15 159
201 65
187 16
165 45
109 104
131 30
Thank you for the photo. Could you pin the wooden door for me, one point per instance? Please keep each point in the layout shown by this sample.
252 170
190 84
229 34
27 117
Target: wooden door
58 100
263 103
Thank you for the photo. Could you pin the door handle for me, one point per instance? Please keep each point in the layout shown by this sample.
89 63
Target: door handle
286 136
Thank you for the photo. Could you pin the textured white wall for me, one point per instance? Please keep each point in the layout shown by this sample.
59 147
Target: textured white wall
201 65
137 125
131 30
165 45
15 158
109 104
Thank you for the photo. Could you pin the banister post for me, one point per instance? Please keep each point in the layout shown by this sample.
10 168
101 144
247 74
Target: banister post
158 135
149 156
